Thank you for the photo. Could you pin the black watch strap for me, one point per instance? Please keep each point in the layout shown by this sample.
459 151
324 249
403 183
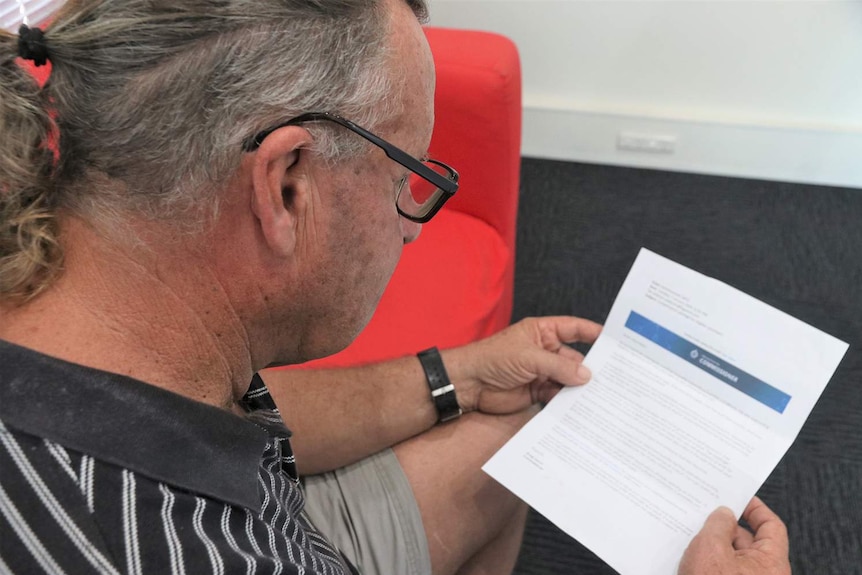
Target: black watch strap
442 390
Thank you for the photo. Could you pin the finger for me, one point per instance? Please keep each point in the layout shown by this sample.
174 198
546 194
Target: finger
571 353
766 524
569 329
744 538
546 391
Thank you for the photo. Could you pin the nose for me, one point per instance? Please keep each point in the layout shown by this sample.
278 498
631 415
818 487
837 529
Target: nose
410 230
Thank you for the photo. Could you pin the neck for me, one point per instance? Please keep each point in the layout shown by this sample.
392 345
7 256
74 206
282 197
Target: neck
124 310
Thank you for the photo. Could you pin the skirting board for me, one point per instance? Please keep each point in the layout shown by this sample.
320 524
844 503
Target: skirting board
802 154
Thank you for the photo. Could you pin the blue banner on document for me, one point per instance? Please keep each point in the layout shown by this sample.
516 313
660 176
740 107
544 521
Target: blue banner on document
761 391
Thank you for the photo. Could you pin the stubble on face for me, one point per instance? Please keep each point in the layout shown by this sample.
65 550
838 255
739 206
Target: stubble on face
366 234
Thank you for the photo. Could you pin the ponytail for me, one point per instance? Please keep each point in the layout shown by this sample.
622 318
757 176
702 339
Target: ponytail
29 252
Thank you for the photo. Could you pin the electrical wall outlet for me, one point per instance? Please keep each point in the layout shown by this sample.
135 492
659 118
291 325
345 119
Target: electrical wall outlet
650 143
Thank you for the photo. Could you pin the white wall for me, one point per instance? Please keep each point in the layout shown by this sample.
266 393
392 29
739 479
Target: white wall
769 89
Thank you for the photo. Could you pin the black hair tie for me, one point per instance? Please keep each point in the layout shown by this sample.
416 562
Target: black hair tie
31 45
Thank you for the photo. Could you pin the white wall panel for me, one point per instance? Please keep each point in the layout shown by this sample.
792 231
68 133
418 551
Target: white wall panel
754 88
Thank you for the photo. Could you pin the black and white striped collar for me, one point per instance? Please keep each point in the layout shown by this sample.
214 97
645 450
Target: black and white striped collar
132 424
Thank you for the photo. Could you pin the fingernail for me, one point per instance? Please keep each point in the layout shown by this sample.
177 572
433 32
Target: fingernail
584 374
726 511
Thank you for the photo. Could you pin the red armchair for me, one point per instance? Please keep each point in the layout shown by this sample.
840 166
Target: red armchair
455 283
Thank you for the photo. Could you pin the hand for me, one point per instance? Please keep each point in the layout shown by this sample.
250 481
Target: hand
723 547
526 363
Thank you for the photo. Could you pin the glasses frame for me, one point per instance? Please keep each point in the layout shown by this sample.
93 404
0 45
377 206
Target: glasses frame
447 185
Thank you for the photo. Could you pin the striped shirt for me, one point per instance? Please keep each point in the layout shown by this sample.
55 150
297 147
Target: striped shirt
101 473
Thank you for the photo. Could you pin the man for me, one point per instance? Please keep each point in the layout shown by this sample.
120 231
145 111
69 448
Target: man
210 215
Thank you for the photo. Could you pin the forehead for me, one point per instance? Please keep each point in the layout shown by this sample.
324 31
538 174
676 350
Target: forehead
414 71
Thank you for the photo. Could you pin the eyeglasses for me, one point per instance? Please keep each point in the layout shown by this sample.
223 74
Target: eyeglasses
429 184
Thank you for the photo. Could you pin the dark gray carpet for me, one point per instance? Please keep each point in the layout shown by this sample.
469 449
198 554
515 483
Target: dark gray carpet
797 247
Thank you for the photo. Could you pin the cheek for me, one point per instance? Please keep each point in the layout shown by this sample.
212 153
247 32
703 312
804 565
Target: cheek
384 241
371 247
371 234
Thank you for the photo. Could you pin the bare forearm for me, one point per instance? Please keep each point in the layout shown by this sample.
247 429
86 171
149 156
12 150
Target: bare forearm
339 416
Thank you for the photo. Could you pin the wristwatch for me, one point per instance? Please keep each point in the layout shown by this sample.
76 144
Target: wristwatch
442 390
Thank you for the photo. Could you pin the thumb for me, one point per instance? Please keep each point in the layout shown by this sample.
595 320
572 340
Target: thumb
561 367
709 545
720 526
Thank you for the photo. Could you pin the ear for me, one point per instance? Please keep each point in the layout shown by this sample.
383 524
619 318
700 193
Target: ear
279 186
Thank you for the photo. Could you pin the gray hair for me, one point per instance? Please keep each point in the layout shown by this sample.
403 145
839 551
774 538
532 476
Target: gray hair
152 101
